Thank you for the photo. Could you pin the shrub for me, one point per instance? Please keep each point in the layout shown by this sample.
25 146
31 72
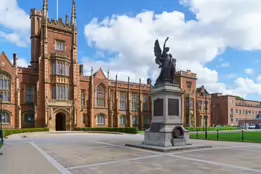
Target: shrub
131 130
8 132
211 128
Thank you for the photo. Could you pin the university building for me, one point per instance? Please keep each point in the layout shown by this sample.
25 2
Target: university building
230 110
53 91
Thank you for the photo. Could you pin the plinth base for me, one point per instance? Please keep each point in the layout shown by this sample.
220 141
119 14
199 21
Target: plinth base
167 149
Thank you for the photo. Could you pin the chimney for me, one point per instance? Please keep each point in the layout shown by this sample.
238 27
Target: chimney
81 70
14 59
148 81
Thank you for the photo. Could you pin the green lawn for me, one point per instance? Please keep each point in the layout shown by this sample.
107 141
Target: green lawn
141 132
1 146
253 137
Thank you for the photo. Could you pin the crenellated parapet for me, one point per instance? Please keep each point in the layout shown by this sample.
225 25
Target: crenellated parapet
85 78
59 24
187 74
35 12
29 69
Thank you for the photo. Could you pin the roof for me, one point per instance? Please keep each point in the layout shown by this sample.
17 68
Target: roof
202 88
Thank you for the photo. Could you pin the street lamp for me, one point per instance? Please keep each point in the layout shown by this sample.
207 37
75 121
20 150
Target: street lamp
1 118
1 100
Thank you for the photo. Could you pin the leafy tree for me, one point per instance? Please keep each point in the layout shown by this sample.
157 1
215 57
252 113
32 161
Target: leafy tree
239 98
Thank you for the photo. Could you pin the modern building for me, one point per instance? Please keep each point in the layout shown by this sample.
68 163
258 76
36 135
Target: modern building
230 110
53 92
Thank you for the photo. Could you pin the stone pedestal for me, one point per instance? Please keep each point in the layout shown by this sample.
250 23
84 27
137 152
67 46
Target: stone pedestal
166 125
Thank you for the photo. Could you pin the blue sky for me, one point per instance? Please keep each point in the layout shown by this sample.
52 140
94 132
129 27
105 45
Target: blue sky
202 33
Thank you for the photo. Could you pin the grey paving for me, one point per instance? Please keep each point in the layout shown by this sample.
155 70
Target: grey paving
107 153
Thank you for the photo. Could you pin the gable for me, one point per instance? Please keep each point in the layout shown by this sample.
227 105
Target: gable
99 74
4 60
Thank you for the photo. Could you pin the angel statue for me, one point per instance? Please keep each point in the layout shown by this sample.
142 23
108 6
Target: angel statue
166 62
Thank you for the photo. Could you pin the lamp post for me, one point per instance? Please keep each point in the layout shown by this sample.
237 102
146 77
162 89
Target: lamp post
1 116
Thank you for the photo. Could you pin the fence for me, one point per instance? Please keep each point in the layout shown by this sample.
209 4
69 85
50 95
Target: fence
235 136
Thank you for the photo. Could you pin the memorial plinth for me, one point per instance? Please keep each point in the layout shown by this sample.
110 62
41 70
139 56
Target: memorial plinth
166 132
166 124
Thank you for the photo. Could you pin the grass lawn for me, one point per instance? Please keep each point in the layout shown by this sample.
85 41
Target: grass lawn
253 137
141 132
1 146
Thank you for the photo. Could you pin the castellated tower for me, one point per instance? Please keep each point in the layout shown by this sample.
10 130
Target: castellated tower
54 49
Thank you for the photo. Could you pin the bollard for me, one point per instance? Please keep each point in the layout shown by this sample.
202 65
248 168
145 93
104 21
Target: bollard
197 134
217 134
242 135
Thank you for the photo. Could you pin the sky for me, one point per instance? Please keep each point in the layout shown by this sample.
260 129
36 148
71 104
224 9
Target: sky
220 40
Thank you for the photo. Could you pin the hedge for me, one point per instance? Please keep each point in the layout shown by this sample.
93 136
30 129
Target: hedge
131 130
8 132
211 128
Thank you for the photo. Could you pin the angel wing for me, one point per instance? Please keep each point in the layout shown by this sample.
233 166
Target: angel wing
157 49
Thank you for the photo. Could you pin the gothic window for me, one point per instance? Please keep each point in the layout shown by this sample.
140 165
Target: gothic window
123 101
145 103
83 99
60 46
189 84
206 106
5 88
5 118
30 94
100 96
62 92
135 101
200 105
123 120
54 68
60 69
101 119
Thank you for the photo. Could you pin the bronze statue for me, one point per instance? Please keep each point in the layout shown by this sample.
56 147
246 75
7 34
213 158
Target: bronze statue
166 62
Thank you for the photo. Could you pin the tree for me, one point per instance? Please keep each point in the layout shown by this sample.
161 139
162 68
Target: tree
239 98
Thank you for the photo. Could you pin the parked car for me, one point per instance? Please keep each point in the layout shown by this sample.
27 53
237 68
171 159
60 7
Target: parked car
251 126
258 126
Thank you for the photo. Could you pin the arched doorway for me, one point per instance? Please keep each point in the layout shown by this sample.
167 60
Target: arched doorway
60 122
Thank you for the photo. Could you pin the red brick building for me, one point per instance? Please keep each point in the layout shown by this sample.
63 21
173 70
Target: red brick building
230 110
203 107
53 92
187 81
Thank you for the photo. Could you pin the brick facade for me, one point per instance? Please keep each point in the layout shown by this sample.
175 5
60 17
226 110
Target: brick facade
228 110
203 107
53 92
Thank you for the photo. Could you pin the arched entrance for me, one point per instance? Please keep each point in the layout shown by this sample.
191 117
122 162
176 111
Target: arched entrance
60 122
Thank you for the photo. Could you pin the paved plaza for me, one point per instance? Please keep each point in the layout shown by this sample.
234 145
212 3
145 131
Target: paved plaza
78 153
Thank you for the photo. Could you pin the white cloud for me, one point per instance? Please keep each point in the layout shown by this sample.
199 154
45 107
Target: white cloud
21 62
220 24
249 71
225 64
14 23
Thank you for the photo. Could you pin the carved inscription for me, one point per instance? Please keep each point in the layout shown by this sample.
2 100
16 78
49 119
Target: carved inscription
158 107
